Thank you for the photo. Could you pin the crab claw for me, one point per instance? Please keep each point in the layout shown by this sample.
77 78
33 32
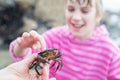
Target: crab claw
58 55
60 64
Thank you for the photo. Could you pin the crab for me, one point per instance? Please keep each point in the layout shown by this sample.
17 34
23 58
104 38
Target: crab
45 57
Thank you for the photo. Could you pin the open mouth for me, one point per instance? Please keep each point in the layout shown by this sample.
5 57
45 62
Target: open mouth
77 26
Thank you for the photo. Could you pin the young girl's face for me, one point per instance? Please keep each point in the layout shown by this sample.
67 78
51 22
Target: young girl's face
81 17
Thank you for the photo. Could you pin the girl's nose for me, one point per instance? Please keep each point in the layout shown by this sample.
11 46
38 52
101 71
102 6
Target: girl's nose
77 16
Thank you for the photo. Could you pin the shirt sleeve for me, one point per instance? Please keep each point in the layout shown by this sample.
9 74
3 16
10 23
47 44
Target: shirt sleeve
11 53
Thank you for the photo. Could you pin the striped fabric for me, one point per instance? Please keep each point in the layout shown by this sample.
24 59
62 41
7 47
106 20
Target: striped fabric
96 58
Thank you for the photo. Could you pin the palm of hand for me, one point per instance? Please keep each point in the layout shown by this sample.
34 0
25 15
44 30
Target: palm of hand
23 73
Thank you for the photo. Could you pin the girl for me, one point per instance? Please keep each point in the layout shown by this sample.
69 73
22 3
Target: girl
88 51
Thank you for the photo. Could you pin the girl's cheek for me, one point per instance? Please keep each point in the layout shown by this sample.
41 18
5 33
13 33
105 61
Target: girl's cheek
67 19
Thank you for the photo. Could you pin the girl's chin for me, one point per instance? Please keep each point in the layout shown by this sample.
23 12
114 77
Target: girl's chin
80 33
76 33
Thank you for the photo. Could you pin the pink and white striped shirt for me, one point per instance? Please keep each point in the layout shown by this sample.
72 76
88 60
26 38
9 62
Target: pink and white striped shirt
96 58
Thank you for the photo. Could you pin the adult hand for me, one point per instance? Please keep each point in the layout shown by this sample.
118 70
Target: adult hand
20 71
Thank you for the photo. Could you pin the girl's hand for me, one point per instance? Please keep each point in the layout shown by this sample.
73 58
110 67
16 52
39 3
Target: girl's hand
31 40
28 40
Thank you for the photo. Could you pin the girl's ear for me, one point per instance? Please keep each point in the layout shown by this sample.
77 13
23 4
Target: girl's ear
99 17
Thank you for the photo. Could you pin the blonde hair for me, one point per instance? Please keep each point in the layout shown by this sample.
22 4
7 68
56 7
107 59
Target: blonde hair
99 8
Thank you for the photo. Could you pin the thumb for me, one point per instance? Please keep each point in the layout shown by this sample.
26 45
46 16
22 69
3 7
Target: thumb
42 42
29 59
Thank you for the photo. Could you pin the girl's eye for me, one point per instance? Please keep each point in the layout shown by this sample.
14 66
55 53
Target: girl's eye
71 9
85 10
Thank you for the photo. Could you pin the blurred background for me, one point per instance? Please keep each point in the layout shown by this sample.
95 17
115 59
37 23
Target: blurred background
18 16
